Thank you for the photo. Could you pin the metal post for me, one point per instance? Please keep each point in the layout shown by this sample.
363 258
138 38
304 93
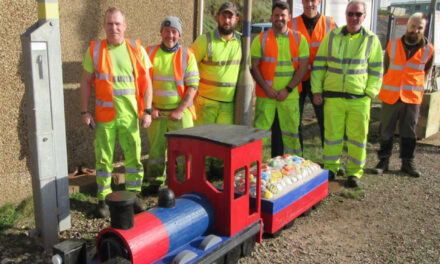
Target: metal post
47 135
245 84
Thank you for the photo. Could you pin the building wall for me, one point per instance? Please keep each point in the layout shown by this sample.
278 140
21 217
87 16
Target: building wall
80 22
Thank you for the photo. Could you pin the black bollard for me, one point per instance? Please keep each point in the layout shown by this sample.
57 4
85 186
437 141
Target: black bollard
121 209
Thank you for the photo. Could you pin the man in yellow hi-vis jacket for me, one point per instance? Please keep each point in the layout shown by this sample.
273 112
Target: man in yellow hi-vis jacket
346 75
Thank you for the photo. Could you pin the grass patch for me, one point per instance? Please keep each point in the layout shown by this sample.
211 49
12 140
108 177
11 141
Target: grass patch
8 216
357 193
81 196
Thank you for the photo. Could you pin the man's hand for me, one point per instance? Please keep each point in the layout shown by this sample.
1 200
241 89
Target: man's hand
282 95
317 98
271 93
176 115
156 114
146 120
87 120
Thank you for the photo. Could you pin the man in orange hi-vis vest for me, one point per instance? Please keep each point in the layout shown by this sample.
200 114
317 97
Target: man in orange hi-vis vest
279 63
314 26
407 62
118 69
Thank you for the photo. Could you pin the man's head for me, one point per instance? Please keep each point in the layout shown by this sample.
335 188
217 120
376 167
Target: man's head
415 28
114 26
355 15
310 7
227 18
280 16
170 31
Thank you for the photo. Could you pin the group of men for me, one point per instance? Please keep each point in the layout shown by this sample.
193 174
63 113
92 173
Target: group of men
339 69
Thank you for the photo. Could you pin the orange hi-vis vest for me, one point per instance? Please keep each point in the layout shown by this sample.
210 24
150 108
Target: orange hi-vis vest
180 64
405 79
103 78
268 62
322 27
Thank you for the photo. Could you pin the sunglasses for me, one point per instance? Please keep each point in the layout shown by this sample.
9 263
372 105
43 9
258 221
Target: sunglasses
357 14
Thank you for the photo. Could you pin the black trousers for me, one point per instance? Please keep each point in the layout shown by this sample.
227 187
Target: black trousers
319 111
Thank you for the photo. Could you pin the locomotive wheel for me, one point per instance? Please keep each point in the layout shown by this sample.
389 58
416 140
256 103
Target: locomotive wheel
233 256
248 246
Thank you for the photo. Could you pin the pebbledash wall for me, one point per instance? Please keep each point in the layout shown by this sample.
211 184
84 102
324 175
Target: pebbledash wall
80 22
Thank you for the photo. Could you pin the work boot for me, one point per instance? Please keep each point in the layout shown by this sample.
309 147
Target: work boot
102 210
353 182
409 167
382 166
341 172
331 176
139 205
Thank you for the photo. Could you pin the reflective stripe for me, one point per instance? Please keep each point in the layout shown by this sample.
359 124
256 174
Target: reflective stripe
133 183
268 82
375 64
133 43
263 41
104 103
95 56
328 24
268 59
334 70
184 63
330 45
284 63
118 92
103 174
165 93
290 134
396 67
415 66
358 144
133 170
319 68
412 88
209 39
320 58
152 50
123 78
294 25
191 81
332 143
315 44
354 61
355 161
426 54
375 73
284 74
102 76
219 84
334 158
103 188
221 63
191 74
369 44
164 78
391 88
358 71
296 151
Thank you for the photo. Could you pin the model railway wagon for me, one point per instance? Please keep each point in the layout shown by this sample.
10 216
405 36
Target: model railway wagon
206 222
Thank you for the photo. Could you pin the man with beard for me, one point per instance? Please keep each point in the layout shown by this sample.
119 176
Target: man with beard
347 73
175 81
218 55
279 63
118 69
407 62
314 27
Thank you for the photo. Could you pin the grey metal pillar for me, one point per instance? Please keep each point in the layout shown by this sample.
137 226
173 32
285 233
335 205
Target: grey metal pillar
245 84
47 135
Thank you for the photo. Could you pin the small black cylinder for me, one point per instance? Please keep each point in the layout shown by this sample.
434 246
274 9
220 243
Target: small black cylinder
121 209
166 198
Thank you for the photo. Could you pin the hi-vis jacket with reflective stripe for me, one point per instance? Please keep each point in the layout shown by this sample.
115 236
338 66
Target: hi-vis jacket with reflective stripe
324 25
219 66
180 63
405 79
103 79
269 61
348 63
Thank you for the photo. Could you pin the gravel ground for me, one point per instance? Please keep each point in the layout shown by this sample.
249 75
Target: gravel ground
395 220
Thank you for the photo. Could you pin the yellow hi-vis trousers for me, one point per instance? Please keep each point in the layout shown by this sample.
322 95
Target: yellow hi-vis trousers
127 129
349 117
